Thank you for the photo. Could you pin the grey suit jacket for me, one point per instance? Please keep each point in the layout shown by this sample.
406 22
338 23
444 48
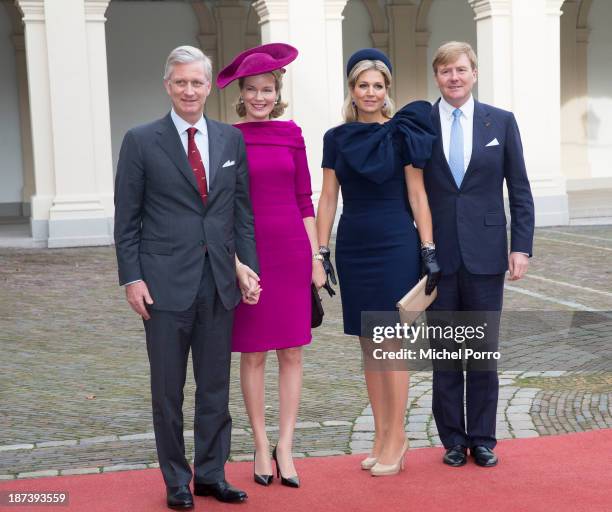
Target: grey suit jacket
162 228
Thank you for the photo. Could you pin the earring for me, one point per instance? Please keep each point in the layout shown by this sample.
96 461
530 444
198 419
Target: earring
276 102
385 104
240 100
353 103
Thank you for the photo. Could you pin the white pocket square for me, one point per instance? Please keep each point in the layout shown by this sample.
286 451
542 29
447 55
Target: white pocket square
228 163
494 142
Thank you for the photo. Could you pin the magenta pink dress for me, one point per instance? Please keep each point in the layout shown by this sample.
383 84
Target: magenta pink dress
281 198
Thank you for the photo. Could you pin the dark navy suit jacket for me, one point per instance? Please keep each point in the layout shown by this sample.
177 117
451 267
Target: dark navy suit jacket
469 221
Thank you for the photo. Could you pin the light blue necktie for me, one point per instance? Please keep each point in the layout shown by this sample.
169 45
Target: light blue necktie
455 153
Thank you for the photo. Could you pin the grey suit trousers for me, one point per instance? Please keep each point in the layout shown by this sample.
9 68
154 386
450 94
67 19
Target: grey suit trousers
206 329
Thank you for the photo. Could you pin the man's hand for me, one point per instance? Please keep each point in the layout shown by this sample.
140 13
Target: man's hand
517 263
248 281
138 296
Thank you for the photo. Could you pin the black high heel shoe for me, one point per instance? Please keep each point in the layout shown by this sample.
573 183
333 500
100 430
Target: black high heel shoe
293 481
261 479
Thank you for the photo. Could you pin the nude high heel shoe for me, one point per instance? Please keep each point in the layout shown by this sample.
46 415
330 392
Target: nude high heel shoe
391 469
368 462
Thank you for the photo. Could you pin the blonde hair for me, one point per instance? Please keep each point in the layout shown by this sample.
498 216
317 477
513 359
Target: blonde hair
349 110
451 51
279 106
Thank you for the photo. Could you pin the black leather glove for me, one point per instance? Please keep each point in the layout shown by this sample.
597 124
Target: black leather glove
329 271
430 267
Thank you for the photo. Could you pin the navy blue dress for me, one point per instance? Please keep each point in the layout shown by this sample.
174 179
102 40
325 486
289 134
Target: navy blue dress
377 245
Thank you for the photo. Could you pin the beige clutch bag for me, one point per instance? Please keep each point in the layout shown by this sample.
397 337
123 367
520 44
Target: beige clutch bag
412 304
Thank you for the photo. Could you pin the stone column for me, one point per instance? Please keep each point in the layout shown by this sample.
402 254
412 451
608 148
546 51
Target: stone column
72 205
314 83
574 142
100 110
334 57
494 34
402 18
208 43
423 67
231 20
523 75
40 116
274 22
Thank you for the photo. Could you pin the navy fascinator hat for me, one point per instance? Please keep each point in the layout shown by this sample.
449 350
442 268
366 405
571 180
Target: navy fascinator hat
367 54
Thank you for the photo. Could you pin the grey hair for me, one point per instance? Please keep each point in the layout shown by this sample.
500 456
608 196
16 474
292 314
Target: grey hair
186 55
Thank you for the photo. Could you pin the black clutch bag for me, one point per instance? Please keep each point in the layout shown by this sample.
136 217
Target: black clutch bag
317 307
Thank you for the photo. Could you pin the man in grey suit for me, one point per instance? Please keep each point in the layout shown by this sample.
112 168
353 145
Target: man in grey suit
184 234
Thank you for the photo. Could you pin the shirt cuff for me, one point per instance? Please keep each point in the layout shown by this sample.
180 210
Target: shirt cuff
132 282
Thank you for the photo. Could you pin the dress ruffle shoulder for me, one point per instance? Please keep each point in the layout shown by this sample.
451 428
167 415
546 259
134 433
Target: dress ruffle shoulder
368 148
272 133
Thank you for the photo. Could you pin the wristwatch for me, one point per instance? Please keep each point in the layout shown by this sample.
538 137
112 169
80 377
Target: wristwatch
317 256
324 250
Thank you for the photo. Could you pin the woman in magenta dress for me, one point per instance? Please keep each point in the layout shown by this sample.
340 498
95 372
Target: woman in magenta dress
287 249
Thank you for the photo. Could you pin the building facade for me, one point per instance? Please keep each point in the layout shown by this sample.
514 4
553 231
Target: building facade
78 73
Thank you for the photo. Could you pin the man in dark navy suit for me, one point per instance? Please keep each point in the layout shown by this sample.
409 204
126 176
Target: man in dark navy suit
478 147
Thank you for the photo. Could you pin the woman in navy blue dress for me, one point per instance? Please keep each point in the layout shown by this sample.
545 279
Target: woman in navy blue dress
377 158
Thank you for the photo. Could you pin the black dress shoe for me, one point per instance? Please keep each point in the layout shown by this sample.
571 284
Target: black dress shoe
455 456
179 498
483 456
221 490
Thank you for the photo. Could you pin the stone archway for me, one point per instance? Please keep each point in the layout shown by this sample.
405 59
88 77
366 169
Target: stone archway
438 22
403 29
21 170
380 25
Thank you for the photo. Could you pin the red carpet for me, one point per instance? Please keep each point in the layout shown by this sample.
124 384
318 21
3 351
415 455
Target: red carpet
557 473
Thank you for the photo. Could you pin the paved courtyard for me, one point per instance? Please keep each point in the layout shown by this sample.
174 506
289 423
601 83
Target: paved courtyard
74 390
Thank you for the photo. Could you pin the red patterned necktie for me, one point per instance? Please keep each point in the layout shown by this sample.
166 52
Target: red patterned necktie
195 160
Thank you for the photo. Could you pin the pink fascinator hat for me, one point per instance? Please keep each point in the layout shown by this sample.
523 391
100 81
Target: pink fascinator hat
256 61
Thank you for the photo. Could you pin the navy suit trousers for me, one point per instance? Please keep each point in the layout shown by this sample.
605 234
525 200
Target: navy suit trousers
464 291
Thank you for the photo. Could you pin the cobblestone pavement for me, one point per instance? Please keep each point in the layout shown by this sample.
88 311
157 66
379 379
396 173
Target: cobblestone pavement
74 391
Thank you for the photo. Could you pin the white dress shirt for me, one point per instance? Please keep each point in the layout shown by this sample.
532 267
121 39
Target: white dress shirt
201 139
467 124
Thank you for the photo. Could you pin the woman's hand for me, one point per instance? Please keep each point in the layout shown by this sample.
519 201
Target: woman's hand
430 268
248 281
330 273
318 273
